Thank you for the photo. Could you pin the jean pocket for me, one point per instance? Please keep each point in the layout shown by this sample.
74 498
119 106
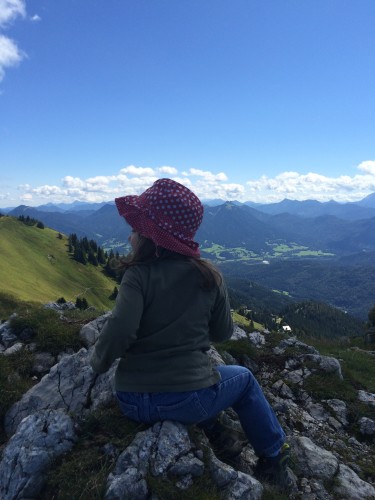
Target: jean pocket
129 410
187 411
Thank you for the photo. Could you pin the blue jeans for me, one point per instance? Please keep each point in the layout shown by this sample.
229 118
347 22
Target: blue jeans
237 388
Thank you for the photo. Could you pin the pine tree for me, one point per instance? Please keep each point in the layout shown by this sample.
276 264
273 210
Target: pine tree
79 254
371 316
101 256
92 258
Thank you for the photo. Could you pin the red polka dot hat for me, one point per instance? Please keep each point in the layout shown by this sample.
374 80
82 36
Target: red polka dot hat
168 213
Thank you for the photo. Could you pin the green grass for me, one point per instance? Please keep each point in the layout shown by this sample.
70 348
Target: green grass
276 251
358 367
15 380
293 250
237 348
245 323
35 266
52 333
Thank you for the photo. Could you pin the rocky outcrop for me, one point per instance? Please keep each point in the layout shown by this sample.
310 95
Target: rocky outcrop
42 426
40 438
166 450
71 385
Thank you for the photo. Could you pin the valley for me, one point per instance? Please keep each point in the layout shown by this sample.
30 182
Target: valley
301 250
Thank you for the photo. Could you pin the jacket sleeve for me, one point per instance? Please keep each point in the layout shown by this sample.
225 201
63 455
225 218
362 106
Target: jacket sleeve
120 330
221 323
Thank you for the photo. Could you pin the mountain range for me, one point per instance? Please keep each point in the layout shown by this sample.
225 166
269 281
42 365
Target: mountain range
313 253
331 228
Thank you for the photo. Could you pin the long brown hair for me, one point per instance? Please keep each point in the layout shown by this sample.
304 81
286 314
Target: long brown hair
147 252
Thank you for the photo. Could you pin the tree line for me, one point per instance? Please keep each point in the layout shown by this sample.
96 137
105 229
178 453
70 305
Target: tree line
87 251
30 221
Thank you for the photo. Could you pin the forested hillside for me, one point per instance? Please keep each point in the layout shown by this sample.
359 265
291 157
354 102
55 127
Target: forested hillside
350 288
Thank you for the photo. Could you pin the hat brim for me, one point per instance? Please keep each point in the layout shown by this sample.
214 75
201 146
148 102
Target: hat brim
133 211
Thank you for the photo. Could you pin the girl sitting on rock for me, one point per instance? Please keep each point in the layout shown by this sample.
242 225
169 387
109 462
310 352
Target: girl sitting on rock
171 304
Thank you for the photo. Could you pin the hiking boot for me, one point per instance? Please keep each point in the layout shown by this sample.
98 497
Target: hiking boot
276 470
227 437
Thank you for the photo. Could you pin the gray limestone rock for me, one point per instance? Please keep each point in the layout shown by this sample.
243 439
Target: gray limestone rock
8 338
69 385
236 485
187 465
244 487
172 442
39 439
340 409
296 344
222 473
165 450
367 426
90 332
60 307
215 357
13 349
297 376
43 362
326 364
130 485
282 390
349 485
366 397
4 326
313 461
238 333
257 339
317 411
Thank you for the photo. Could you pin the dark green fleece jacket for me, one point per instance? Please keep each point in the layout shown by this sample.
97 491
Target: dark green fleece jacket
161 328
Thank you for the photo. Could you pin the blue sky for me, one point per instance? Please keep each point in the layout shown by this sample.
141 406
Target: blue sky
239 99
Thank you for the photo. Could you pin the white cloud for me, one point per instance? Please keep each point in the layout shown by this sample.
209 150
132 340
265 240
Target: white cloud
314 186
208 176
168 170
35 18
138 171
134 180
182 180
10 54
10 10
26 197
47 190
368 167
73 181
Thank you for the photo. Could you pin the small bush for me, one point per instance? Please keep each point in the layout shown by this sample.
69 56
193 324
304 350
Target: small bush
328 386
51 333
237 348
114 293
81 303
61 300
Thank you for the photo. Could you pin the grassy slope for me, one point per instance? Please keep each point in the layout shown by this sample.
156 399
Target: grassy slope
28 271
